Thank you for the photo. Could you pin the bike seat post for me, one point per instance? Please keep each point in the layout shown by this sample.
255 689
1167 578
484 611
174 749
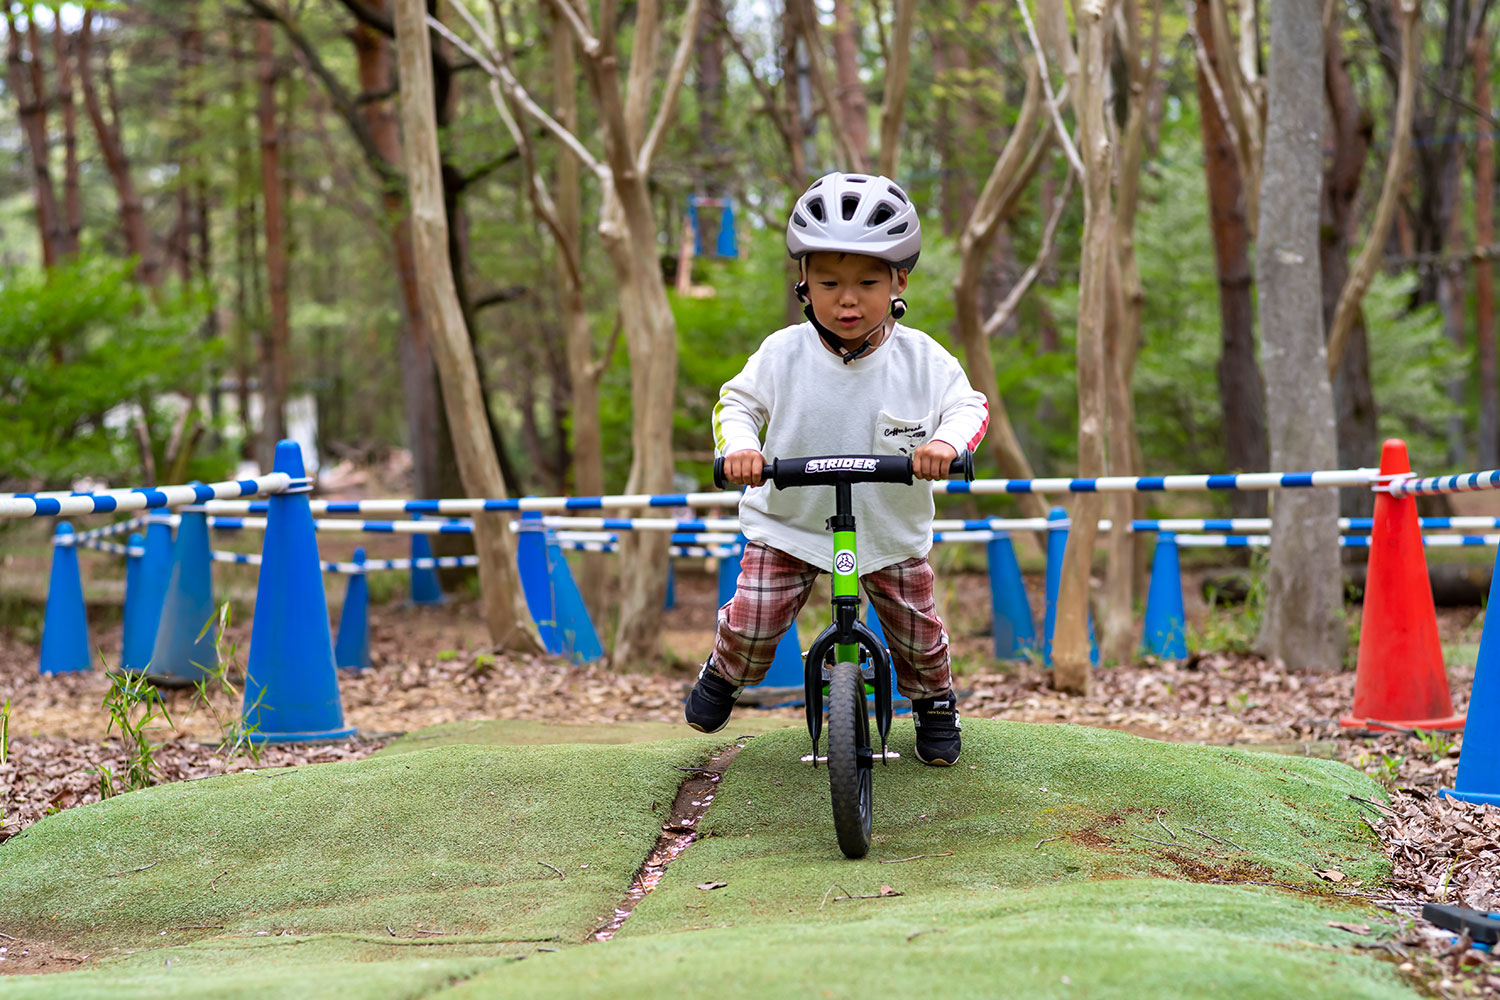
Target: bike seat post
845 576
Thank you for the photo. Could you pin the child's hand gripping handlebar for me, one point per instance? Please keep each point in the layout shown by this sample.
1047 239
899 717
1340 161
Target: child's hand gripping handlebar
831 469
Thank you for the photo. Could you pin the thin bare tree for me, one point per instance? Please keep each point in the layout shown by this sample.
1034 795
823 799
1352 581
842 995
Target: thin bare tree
1390 193
1088 78
628 230
505 610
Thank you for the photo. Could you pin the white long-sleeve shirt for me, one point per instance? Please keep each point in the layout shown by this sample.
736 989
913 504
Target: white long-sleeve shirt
905 393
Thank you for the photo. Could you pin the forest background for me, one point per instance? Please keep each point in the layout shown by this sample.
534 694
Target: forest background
203 197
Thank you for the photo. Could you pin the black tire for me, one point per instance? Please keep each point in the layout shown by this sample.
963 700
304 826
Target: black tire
848 734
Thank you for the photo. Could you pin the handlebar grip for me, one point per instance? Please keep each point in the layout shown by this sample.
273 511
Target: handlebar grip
719 481
963 466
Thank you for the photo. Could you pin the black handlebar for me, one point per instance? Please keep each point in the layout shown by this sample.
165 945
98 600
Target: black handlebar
831 469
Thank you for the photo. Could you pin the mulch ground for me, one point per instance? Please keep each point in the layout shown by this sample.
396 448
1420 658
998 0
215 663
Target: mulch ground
433 665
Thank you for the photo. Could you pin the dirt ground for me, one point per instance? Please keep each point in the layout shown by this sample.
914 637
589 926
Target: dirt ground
432 665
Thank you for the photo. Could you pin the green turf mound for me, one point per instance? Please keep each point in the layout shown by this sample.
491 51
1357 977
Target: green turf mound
448 839
1027 804
522 732
1122 939
267 967
320 880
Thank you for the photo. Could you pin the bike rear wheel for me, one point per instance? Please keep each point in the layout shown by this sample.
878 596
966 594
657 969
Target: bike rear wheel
849 759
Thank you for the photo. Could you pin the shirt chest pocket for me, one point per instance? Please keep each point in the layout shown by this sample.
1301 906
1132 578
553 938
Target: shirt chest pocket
903 435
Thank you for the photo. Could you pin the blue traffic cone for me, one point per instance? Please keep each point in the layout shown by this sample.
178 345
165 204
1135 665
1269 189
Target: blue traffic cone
425 588
872 621
135 591
1166 623
727 244
671 601
144 597
786 667
536 578
291 686
1010 612
65 629
1478 778
729 574
576 637
352 647
184 651
1057 547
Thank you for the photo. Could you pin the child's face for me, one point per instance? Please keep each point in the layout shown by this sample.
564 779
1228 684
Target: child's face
851 292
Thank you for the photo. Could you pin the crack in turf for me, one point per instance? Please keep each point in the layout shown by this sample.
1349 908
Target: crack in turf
694 796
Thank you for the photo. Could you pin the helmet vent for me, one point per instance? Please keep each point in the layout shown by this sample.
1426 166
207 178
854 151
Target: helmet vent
882 214
855 178
815 183
815 209
799 220
849 205
897 230
898 193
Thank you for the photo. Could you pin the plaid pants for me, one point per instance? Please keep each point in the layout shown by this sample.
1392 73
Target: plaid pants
773 587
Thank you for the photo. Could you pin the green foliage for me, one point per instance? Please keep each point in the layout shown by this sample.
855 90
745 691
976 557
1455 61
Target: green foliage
77 347
1435 742
134 705
237 738
4 732
1412 361
1232 629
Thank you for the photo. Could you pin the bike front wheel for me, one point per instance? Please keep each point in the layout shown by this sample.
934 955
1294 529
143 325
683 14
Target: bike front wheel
849 759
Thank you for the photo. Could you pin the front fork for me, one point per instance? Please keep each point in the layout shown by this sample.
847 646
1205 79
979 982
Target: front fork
842 642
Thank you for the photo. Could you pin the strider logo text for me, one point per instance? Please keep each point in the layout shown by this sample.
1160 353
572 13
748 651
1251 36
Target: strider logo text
841 465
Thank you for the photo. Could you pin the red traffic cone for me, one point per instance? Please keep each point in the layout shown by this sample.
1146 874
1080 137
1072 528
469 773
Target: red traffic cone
1401 682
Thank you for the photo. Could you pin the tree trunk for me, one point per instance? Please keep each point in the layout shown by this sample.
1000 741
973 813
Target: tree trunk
72 215
112 146
274 360
1242 397
1013 170
505 612
1118 621
1303 622
1484 269
1353 395
1070 640
851 92
578 335
897 71
32 108
434 466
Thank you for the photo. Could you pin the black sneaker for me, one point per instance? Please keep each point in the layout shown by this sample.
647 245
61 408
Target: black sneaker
710 702
937 725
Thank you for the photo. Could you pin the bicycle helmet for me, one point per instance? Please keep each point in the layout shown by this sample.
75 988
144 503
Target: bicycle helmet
856 213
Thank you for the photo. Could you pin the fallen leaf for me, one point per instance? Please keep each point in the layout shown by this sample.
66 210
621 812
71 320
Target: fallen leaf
712 885
886 890
1331 875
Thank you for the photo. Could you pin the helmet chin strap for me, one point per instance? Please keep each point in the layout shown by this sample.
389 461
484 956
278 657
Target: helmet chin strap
897 308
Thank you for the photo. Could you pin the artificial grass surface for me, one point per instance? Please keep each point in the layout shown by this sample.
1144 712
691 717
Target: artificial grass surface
449 838
1090 794
522 732
1125 939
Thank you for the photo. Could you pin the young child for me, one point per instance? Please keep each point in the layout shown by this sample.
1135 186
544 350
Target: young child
849 380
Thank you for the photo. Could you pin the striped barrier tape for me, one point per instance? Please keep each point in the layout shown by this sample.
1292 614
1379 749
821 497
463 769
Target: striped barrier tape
1105 484
1465 482
147 499
1345 541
